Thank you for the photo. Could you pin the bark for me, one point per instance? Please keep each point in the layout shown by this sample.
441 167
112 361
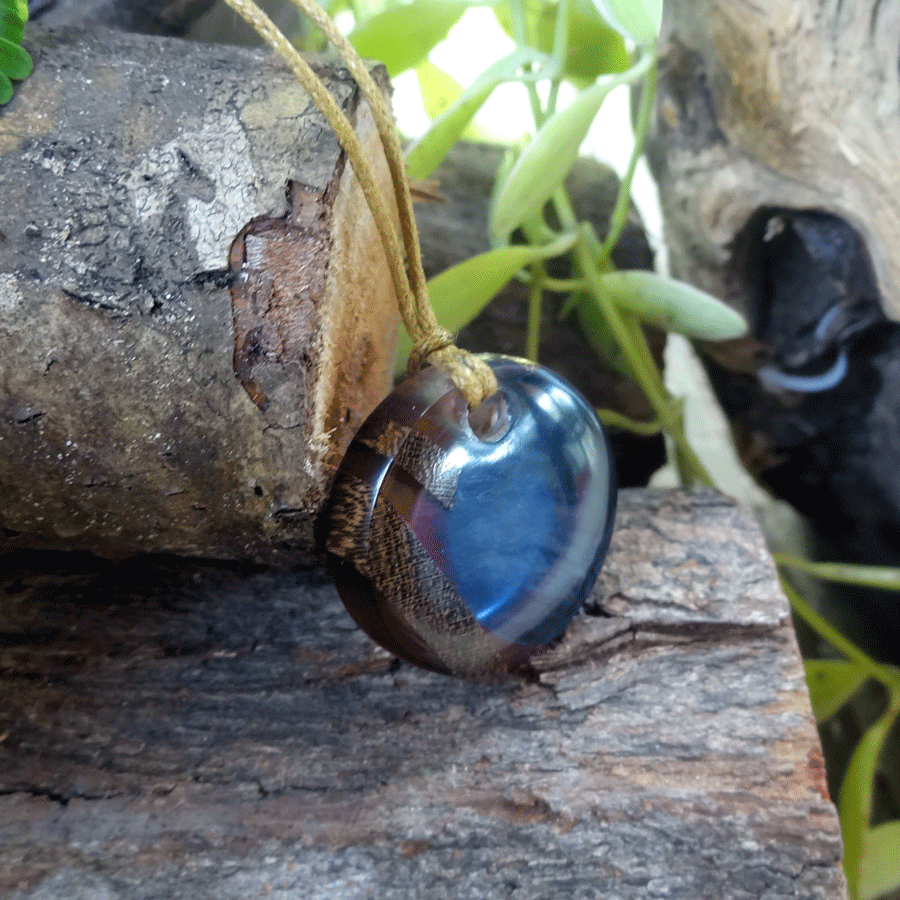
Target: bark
172 728
777 151
195 309
778 104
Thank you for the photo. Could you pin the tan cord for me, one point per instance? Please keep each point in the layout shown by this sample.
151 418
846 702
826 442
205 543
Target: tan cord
438 340
439 348
387 131
470 373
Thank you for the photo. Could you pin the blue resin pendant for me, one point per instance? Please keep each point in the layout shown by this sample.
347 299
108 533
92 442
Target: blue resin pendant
466 552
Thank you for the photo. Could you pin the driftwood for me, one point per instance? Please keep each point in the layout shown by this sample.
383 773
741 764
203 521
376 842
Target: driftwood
170 728
776 147
187 343
777 104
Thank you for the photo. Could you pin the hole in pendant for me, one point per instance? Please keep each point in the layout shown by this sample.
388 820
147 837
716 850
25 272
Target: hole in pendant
490 421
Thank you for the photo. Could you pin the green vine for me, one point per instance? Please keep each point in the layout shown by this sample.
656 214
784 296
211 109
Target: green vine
870 851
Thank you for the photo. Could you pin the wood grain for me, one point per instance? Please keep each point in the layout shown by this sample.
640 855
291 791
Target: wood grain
184 729
777 104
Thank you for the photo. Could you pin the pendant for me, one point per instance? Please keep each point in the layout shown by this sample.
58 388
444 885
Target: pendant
466 543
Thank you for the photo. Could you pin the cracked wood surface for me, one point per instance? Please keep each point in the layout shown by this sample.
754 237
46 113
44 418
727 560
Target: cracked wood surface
195 310
173 728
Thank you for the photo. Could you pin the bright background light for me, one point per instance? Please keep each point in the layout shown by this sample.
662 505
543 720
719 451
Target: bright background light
472 45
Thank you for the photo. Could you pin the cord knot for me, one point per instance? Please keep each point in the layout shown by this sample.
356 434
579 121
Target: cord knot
434 341
470 373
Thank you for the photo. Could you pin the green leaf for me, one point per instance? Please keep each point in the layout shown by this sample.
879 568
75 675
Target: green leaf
594 48
12 27
426 153
831 684
855 802
879 864
544 163
6 89
439 90
445 131
14 60
403 35
459 293
636 19
673 305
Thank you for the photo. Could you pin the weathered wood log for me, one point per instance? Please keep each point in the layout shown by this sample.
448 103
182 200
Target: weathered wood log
171 728
170 17
776 147
195 310
777 104
164 403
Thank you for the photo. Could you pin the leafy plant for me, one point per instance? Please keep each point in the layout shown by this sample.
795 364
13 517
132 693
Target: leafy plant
15 61
870 851
557 41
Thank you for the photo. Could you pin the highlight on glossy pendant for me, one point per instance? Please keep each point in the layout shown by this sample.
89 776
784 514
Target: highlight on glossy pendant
466 543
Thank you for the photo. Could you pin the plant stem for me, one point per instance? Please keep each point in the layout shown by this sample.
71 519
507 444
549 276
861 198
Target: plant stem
623 199
535 303
553 96
564 286
690 469
560 48
520 33
826 630
617 420
630 337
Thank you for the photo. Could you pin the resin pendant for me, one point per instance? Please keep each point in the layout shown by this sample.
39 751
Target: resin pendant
466 544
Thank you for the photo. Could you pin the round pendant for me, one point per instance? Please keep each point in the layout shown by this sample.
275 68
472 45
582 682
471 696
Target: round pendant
466 543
